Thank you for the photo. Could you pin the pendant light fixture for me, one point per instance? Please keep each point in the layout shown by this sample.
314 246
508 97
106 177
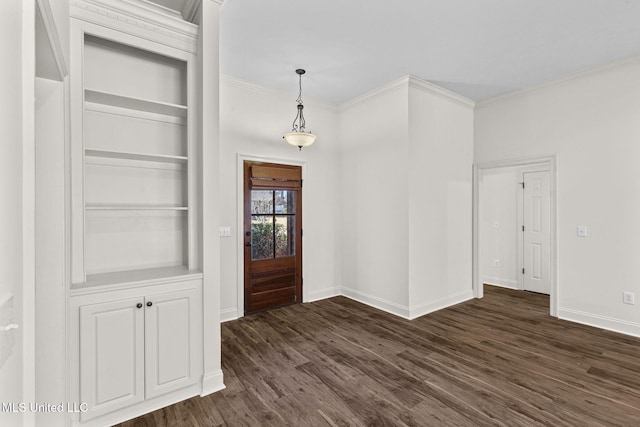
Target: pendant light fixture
298 137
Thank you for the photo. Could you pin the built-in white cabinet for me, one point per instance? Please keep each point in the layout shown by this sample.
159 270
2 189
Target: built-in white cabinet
135 298
134 349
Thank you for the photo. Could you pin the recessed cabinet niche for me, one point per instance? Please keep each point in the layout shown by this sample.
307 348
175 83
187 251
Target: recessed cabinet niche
133 176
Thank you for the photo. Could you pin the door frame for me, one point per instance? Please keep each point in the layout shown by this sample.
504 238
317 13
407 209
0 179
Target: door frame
548 161
240 159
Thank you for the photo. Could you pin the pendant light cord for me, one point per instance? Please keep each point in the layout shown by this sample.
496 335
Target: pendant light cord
300 116
299 100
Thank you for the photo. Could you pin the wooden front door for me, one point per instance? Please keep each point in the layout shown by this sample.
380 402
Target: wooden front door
272 235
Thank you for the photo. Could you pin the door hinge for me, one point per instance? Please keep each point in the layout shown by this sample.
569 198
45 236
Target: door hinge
523 271
301 232
522 184
523 228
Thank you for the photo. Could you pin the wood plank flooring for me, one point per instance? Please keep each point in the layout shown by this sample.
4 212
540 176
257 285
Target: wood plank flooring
498 361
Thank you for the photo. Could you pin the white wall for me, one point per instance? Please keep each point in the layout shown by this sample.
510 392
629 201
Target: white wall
591 122
407 154
252 122
499 226
10 208
374 131
208 88
50 255
440 195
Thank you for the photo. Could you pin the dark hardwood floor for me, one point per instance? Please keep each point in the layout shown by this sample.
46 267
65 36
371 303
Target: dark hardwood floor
500 361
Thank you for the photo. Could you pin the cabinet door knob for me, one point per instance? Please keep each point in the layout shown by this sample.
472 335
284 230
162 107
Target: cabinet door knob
149 304
139 305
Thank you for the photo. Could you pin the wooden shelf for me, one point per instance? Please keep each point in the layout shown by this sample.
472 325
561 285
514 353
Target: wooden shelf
132 103
134 156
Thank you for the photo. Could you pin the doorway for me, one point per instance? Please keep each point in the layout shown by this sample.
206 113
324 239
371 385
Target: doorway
272 235
514 226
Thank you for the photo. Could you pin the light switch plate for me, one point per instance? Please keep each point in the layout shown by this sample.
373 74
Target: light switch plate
582 231
225 231
628 298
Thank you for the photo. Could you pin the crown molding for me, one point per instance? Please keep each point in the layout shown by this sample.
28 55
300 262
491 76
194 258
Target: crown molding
415 83
268 91
560 81
145 17
432 89
403 81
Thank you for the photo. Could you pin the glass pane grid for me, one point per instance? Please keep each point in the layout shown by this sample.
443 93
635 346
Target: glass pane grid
273 224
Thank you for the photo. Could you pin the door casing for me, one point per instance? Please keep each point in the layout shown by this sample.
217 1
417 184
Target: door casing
240 159
549 162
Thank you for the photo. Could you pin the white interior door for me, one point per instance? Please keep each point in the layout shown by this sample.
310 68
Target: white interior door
537 232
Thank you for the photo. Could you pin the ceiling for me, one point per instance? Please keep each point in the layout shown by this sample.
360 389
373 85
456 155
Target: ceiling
476 48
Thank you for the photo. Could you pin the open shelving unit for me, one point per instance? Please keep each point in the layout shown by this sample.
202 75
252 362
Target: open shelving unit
134 181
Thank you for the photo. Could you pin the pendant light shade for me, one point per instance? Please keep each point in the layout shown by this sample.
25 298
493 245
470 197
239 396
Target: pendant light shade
298 137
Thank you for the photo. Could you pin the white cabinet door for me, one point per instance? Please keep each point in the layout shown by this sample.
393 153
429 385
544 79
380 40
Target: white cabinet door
171 341
111 355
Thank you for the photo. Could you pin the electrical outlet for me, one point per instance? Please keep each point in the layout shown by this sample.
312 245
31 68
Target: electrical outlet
496 263
582 231
628 298
225 231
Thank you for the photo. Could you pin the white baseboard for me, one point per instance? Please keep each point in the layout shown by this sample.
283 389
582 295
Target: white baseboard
212 382
497 281
376 302
602 322
228 314
322 294
422 309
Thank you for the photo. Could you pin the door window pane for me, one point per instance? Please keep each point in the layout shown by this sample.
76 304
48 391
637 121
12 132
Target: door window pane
261 202
285 235
285 202
261 237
